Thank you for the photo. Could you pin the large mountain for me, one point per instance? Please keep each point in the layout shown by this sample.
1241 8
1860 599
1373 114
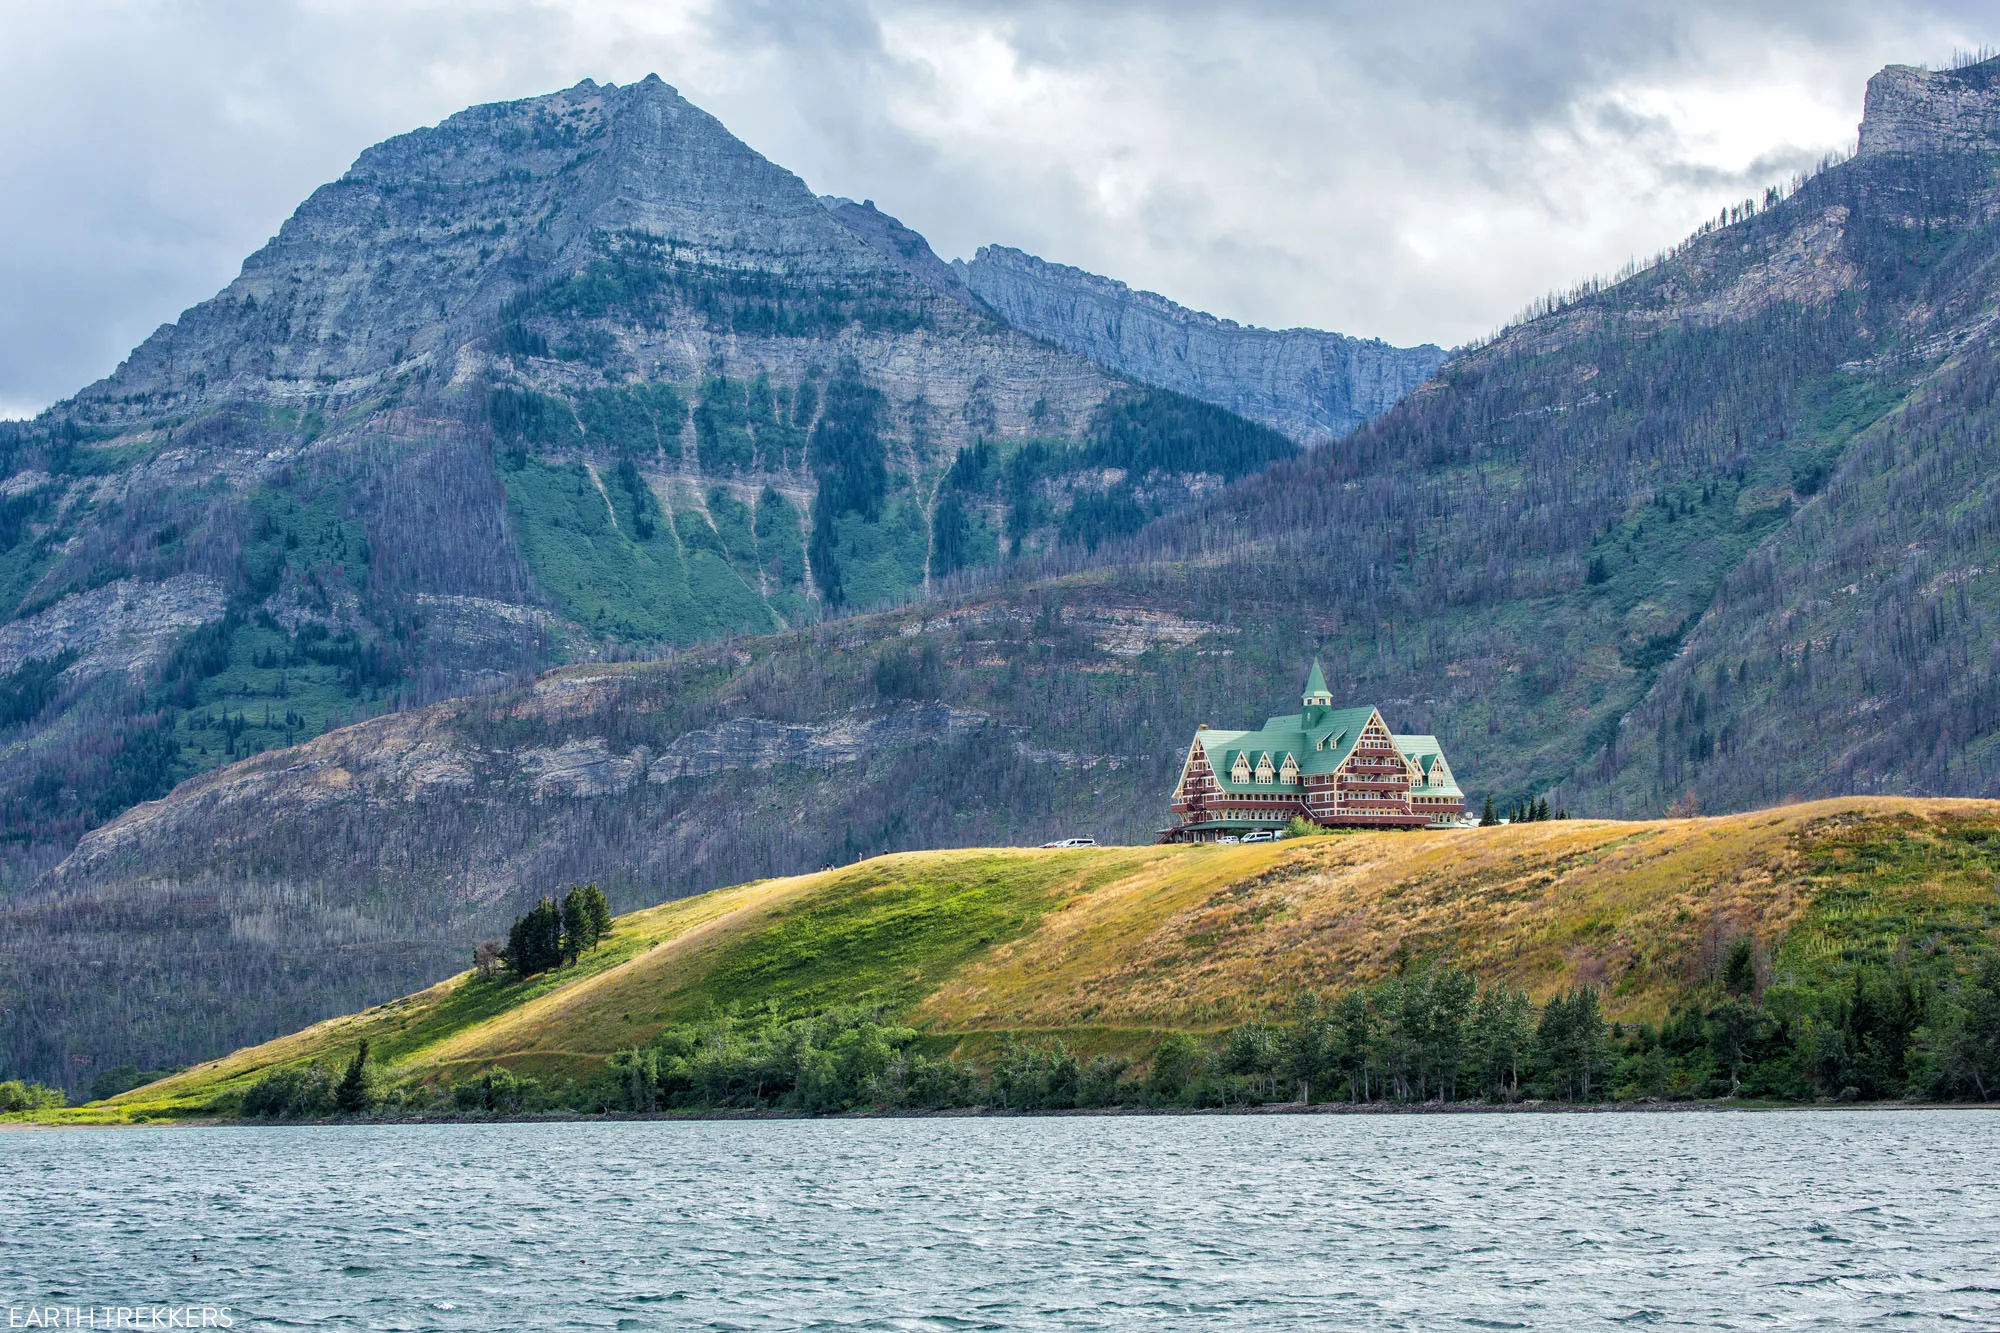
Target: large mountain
1313 386
1730 527
556 379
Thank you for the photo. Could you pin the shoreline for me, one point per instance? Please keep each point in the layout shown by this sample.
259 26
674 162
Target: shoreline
1710 1107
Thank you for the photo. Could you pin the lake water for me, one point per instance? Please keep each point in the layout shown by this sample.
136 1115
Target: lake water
1800 1219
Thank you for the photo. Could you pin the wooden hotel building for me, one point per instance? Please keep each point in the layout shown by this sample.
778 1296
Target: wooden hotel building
1338 767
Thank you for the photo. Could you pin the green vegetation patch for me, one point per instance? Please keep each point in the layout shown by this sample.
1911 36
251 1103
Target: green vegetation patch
627 579
886 935
1895 895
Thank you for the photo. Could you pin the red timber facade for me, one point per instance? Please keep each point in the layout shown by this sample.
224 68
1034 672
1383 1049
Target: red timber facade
1339 767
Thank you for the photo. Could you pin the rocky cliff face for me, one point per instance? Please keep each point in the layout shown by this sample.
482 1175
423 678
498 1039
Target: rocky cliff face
1911 110
1312 386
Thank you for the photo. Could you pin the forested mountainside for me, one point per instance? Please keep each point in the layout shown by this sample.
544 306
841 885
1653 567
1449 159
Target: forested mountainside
1725 530
550 380
1723 527
1311 385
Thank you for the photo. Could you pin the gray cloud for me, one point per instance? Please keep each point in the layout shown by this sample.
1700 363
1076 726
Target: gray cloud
1416 174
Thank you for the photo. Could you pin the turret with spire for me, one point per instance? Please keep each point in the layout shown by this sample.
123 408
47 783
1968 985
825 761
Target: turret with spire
1317 699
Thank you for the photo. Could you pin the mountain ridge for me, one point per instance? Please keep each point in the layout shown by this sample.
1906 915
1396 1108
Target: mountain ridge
1312 385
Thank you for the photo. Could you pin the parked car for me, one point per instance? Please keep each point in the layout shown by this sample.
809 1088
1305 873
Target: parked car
1261 835
1072 842
1227 837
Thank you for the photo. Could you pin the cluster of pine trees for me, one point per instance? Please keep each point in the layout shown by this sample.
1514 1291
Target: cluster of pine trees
553 933
1523 812
312 1091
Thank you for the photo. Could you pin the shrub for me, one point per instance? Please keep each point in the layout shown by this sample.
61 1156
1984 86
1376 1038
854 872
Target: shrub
295 1092
16 1095
1176 1065
498 1090
122 1079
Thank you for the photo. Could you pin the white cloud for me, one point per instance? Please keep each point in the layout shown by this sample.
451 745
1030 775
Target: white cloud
1417 176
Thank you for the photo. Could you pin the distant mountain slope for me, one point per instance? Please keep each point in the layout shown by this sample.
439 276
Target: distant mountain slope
1720 531
1109 947
548 380
1313 386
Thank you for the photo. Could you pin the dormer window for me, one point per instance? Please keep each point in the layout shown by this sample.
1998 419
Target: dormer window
1289 772
1264 770
1241 771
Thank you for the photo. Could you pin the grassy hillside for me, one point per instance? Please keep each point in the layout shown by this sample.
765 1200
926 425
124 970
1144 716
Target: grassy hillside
1110 948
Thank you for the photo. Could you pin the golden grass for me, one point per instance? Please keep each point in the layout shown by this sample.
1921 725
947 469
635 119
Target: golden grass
1620 905
1123 941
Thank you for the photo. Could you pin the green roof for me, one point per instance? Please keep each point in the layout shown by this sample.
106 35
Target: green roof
1429 756
1318 750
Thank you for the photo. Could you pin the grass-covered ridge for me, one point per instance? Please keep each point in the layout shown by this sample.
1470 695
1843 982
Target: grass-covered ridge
1110 949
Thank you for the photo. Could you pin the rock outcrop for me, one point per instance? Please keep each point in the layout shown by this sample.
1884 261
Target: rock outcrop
1911 110
901 245
1313 386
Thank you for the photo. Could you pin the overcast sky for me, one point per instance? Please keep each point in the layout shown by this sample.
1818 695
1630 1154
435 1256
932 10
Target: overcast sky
1416 172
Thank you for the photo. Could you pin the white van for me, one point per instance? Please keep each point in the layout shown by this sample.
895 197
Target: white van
1072 842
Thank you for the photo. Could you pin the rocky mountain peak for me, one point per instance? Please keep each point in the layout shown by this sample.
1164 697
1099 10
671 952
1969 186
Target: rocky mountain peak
413 252
1912 110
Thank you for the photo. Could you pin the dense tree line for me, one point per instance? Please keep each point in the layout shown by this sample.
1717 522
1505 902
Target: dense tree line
1429 1033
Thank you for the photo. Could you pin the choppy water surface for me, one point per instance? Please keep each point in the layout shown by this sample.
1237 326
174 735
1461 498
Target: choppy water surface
1810 1219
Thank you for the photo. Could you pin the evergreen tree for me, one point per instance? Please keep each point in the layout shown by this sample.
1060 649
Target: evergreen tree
356 1092
1739 973
1966 1043
1309 1056
1353 1024
600 911
586 920
1502 1036
1487 819
1571 1046
576 926
1256 1051
1733 1028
